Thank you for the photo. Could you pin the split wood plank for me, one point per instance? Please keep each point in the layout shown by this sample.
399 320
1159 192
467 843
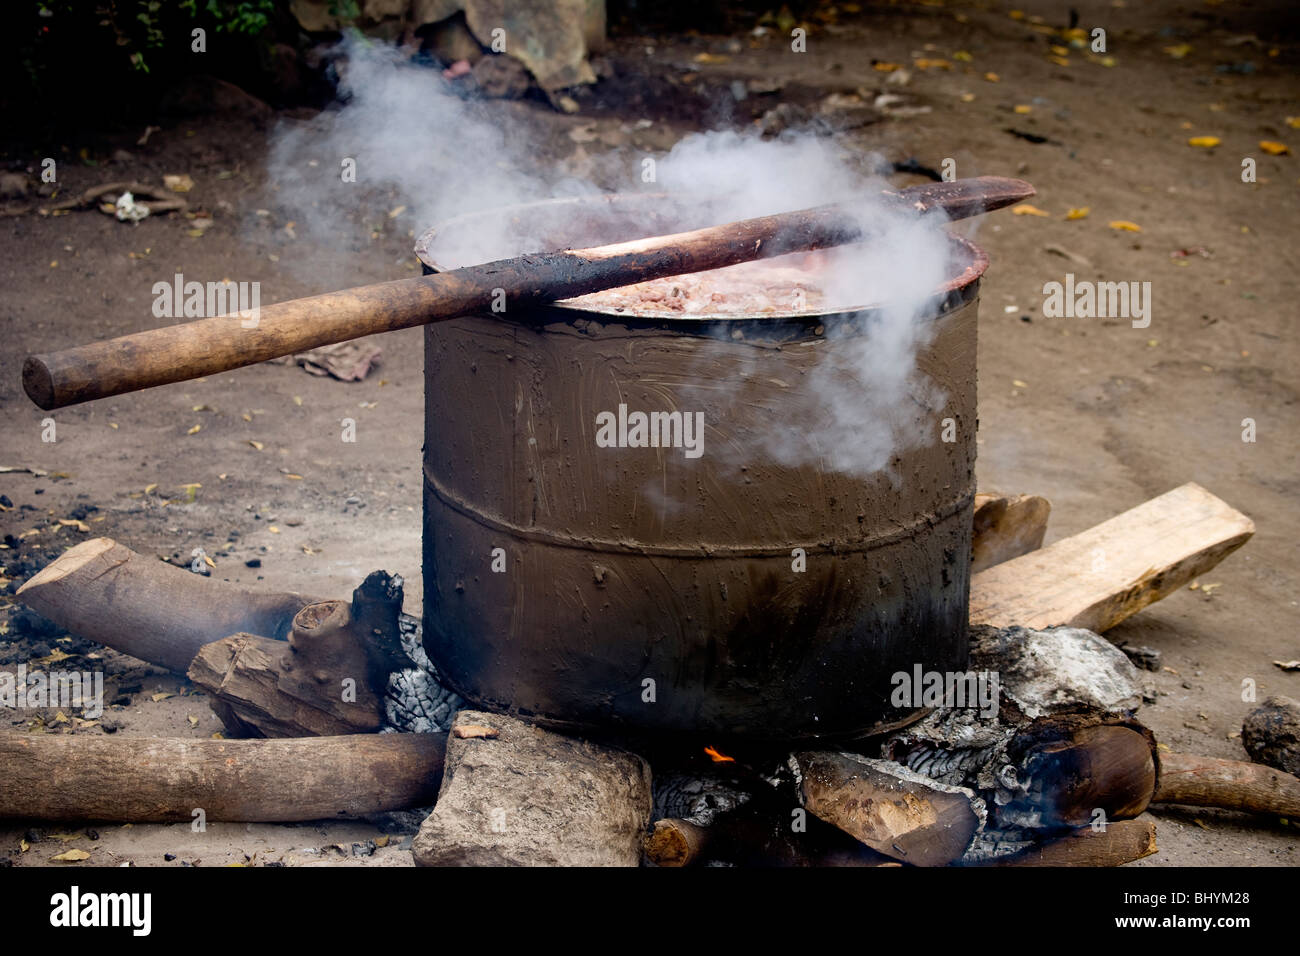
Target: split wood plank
1101 576
1006 526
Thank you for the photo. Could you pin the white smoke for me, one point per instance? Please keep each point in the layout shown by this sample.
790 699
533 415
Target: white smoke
416 143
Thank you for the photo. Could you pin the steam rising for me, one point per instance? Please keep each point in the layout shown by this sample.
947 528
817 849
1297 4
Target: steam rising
418 144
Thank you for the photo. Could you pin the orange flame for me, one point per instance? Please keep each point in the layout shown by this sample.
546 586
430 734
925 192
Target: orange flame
717 757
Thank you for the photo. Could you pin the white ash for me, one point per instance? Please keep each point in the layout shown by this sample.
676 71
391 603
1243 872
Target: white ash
1061 669
695 799
416 701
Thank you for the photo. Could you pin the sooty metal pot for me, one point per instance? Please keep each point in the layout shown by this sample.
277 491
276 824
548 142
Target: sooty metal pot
740 592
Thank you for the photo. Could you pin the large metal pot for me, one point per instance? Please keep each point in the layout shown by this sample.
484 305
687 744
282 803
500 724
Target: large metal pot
642 588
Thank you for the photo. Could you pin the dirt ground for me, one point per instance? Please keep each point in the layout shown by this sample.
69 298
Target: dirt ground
1093 414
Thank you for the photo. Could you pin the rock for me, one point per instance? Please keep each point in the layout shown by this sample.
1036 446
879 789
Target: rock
450 40
530 797
1147 658
1271 734
502 77
13 185
202 95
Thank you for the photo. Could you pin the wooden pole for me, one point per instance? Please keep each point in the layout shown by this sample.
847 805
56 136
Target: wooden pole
176 353
163 779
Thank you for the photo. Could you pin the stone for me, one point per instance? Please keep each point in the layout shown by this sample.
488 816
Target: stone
1271 734
531 797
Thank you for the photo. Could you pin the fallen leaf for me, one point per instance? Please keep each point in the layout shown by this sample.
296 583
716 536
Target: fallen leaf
1205 142
711 58
294 477
161 695
1080 213
149 489
1023 108
66 837
74 523
256 444
178 182
194 721
962 56
209 561
273 529
71 856
1019 384
23 846
885 67
469 731
1124 225
1274 148
1024 209
382 841
297 399
194 430
1179 51
60 718
1287 665
992 77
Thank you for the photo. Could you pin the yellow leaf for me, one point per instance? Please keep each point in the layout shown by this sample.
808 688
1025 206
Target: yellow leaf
161 695
885 67
1060 50
961 56
72 856
273 529
396 211
1059 60
1019 384
194 430
1023 108
246 417
217 735
928 64
60 718
149 489
1079 213
1024 209
294 477
194 721
1179 51
1205 142
179 183
1124 225
210 562
297 399
992 77
711 58
256 444
1293 122
23 846
74 523
968 97
1274 148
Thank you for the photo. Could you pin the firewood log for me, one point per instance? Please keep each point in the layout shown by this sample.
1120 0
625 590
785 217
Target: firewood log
1007 526
161 779
1227 784
1122 841
162 614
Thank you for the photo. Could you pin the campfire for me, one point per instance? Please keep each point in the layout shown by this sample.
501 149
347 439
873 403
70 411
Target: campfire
793 650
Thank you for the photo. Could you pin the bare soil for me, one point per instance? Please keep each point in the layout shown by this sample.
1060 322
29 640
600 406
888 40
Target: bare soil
1092 413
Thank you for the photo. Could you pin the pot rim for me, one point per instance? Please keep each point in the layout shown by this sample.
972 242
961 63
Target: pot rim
961 285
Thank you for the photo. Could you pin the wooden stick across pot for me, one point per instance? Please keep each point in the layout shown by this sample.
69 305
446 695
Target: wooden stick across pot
176 353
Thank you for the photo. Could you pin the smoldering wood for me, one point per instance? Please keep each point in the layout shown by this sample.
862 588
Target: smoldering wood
1120 842
162 779
1007 526
1227 784
328 678
1101 576
190 350
898 813
105 592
